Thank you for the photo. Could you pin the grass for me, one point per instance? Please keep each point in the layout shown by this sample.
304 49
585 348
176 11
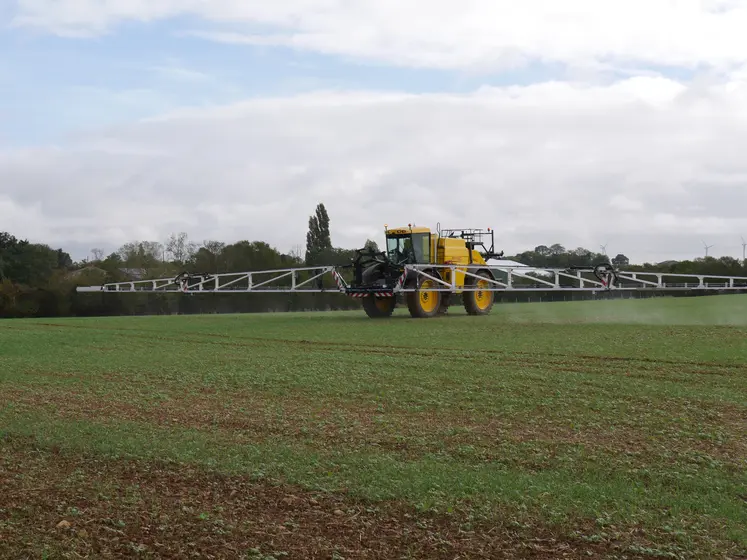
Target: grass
593 429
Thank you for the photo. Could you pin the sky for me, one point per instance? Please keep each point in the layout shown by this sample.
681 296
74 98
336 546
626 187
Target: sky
587 123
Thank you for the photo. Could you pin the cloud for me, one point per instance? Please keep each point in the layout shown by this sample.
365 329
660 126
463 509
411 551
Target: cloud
174 72
481 34
632 165
622 202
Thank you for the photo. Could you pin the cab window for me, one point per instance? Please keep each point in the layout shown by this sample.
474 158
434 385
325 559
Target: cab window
415 248
422 245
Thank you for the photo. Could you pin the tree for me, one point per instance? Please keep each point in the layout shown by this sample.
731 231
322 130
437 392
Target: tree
180 248
296 254
208 258
557 249
621 260
318 239
141 254
214 247
10 248
371 245
29 263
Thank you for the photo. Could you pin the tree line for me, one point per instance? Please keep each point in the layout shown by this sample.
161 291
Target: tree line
37 280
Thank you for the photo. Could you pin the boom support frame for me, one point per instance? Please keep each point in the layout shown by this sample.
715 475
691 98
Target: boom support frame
519 278
226 282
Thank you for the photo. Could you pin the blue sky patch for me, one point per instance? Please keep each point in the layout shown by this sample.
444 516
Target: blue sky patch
51 86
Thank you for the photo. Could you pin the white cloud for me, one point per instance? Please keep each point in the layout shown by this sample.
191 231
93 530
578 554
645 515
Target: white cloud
622 202
539 164
446 34
179 73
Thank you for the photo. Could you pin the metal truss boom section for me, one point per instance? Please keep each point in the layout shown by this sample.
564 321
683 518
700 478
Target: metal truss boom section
309 279
515 278
595 278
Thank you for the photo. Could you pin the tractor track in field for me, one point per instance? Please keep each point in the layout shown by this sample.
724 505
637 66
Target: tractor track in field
247 417
80 505
236 393
562 361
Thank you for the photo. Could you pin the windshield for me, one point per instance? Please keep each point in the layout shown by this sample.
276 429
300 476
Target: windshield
399 248
413 248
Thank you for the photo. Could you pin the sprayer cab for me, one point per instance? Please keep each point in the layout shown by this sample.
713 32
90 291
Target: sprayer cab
419 245
409 245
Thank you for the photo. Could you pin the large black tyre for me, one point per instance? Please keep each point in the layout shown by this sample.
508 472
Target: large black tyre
372 273
424 302
379 307
478 302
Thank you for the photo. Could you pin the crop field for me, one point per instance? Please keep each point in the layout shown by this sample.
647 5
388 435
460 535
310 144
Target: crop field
609 429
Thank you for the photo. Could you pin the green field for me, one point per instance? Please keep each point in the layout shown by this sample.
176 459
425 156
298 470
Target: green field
610 429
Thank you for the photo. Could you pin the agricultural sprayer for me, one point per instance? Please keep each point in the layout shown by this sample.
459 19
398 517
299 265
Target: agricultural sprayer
426 270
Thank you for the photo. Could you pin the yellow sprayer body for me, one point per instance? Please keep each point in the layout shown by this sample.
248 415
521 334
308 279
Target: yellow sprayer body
431 248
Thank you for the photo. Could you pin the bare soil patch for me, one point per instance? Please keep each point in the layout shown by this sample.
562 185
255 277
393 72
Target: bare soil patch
75 506
245 416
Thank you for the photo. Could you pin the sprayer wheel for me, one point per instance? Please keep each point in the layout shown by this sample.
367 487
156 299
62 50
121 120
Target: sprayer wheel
479 302
379 307
425 302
